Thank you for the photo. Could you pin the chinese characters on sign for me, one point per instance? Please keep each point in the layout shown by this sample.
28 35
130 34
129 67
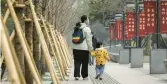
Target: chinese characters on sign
142 27
111 31
163 17
150 16
118 29
130 25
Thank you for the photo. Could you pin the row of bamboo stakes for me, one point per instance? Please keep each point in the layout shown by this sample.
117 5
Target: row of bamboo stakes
59 48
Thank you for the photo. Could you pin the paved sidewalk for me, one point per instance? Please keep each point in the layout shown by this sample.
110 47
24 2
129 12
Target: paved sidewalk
106 78
118 74
71 79
126 75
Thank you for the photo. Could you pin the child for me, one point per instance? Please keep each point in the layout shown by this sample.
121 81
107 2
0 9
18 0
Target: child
101 56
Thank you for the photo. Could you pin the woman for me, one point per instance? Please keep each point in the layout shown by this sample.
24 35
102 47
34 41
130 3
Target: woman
81 50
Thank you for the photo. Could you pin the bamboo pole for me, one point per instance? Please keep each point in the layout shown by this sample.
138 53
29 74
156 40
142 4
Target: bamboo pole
65 49
12 35
6 50
62 48
11 38
29 37
17 44
7 13
43 43
61 52
6 16
15 57
1 60
57 50
24 44
52 49
68 50
37 51
66 54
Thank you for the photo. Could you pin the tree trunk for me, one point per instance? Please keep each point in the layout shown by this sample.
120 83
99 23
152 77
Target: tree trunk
29 37
36 48
43 65
18 48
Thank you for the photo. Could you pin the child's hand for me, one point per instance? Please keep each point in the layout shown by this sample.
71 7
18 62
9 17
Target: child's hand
92 53
109 58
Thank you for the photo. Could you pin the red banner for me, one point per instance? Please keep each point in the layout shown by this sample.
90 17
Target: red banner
118 29
130 25
150 12
163 17
142 26
111 31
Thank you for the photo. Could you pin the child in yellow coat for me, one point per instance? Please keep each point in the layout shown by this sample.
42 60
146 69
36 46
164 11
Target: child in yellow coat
101 56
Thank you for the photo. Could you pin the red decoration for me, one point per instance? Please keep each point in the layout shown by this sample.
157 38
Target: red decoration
130 25
118 29
150 16
111 31
163 17
142 26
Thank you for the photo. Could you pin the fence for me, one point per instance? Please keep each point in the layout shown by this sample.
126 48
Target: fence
59 48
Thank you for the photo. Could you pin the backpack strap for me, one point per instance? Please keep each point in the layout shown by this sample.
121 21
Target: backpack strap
84 33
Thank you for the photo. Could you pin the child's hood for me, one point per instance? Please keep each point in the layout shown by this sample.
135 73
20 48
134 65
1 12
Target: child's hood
99 54
100 48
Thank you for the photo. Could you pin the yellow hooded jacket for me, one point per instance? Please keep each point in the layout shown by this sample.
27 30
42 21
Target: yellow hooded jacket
101 56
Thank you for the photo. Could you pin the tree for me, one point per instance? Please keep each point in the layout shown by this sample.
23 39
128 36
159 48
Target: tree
64 12
36 44
106 8
18 47
29 38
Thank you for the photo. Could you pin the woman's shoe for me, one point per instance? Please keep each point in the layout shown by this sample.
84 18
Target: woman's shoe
97 76
76 78
100 78
85 78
